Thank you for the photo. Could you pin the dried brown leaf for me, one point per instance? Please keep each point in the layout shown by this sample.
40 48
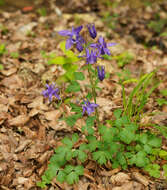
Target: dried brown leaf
12 82
140 178
110 173
9 71
53 115
19 120
127 186
119 178
38 104
22 145
88 174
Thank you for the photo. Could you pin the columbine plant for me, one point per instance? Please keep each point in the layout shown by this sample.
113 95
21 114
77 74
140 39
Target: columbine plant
121 143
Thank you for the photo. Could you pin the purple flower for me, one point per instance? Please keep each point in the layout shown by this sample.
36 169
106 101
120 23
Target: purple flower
92 30
74 38
51 91
102 46
91 56
101 72
89 107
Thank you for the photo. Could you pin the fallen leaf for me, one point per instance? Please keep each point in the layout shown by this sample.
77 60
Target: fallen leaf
53 115
140 178
22 145
19 120
119 178
110 173
12 82
9 71
127 186
38 104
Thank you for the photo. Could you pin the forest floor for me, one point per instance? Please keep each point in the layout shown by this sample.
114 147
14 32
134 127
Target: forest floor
30 128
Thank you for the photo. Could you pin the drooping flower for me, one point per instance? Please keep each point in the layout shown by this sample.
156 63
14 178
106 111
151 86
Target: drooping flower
92 30
74 38
89 107
101 72
91 56
50 92
102 46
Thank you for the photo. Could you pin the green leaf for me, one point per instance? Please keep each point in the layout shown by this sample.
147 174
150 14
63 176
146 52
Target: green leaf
164 92
88 130
79 170
14 55
59 158
1 66
59 60
75 137
63 46
106 133
143 138
138 147
148 149
131 127
2 49
155 141
90 121
72 178
73 87
67 142
101 156
163 154
64 153
81 155
115 164
79 76
61 176
161 101
141 159
127 136
75 108
153 170
165 169
114 148
41 184
93 143
68 53
121 159
70 69
117 113
68 169
121 121
71 120
89 95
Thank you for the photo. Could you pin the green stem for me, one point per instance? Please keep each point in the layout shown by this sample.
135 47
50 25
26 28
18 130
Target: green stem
93 93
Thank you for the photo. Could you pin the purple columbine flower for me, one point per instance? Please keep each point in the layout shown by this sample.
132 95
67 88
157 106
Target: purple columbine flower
101 72
50 92
91 56
92 30
74 38
89 107
102 46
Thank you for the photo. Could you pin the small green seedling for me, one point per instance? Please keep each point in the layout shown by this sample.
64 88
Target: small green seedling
123 58
42 11
14 55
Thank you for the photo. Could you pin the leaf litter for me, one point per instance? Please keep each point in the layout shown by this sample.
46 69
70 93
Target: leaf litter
30 126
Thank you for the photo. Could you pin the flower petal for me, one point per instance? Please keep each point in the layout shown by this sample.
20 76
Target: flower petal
111 44
69 43
65 33
78 29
